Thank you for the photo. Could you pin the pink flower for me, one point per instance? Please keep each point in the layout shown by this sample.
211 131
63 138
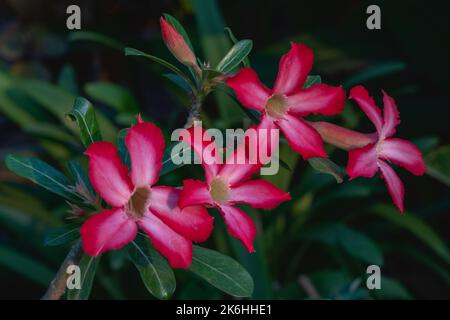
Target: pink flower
178 46
366 161
229 184
287 103
135 201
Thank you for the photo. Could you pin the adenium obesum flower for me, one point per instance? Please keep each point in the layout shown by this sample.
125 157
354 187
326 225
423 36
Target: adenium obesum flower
136 202
178 46
287 103
366 161
228 184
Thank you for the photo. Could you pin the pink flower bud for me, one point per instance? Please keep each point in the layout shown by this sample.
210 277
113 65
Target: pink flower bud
178 46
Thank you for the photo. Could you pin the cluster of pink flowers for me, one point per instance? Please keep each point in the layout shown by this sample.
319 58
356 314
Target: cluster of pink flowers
173 217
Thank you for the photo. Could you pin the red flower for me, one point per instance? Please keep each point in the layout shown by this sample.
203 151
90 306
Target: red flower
136 202
366 161
229 184
287 103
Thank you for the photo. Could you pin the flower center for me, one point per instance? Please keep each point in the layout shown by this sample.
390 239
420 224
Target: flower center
139 201
219 190
276 106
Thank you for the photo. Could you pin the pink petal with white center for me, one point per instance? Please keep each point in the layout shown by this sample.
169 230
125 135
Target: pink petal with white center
239 225
403 153
176 248
302 138
108 175
390 114
318 99
258 194
193 223
107 230
145 143
394 184
362 162
194 193
367 104
248 89
293 69
199 141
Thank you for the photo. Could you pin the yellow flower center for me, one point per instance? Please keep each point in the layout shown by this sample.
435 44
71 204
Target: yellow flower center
276 106
139 202
219 190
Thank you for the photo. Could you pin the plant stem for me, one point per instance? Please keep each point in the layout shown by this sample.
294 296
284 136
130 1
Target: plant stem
194 113
58 285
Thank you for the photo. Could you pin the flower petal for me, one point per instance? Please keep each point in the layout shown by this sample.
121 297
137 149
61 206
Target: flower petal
320 98
238 170
239 225
109 176
193 223
199 141
176 248
302 138
390 114
403 153
258 194
248 89
194 193
394 184
367 104
145 144
293 69
107 230
362 162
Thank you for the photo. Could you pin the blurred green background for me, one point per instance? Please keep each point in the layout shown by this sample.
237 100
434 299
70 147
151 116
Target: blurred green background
317 245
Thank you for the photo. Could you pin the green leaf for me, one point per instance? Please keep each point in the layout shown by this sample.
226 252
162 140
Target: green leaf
62 235
67 79
168 165
155 271
112 95
178 27
84 114
179 81
79 175
373 72
122 148
235 56
222 272
353 242
325 165
27 266
246 61
312 80
414 225
438 164
88 267
164 63
392 289
42 174
97 38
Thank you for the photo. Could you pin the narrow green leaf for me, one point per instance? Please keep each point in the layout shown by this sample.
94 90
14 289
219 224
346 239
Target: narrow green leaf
235 56
67 79
42 174
179 81
62 235
122 148
246 61
84 114
155 271
325 165
88 267
414 225
312 80
112 95
373 72
222 272
97 38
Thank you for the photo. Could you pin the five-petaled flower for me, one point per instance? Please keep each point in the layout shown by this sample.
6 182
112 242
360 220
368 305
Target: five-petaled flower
135 201
228 184
366 161
286 104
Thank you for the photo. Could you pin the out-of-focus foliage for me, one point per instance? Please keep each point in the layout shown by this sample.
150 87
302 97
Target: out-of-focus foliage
317 245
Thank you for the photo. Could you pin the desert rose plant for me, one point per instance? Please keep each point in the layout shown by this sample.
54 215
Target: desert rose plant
121 206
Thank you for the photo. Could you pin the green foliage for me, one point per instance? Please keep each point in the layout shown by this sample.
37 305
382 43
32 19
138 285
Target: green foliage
88 268
83 113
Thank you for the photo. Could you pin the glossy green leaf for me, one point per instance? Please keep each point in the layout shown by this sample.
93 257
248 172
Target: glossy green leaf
416 226
62 235
84 114
112 95
222 272
42 174
235 56
97 38
325 165
88 268
376 71
179 81
246 61
155 271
